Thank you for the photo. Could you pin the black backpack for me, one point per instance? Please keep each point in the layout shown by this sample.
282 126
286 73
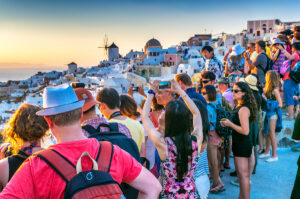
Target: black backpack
221 113
295 73
121 140
95 183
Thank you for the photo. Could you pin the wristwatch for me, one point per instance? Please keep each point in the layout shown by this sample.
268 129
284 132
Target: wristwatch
151 92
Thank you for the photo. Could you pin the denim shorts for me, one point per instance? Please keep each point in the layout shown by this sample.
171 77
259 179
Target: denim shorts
290 89
273 117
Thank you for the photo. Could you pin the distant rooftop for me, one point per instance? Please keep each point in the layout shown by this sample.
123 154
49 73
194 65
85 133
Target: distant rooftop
113 45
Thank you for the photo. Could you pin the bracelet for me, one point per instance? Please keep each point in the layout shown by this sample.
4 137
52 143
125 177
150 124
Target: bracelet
151 92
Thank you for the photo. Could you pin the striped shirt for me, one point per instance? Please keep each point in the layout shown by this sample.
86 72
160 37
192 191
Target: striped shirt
95 122
202 165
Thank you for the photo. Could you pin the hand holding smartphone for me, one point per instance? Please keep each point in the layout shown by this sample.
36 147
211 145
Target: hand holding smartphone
164 85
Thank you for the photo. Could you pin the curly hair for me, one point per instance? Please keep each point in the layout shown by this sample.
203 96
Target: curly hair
24 126
248 99
272 82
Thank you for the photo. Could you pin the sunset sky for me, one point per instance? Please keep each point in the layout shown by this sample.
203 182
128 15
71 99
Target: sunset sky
36 33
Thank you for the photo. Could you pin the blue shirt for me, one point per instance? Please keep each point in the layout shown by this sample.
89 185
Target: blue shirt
212 115
211 110
191 92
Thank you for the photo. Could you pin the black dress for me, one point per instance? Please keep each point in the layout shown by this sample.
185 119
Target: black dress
241 144
15 161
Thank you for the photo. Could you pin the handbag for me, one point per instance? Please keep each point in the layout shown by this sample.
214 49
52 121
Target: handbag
285 66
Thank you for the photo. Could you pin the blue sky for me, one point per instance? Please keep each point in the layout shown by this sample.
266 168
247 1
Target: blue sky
36 32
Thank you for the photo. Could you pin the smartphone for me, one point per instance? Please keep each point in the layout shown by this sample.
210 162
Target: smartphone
135 88
164 85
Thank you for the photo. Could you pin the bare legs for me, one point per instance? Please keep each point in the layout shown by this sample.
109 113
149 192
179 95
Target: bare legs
242 168
261 141
271 139
290 111
251 162
212 155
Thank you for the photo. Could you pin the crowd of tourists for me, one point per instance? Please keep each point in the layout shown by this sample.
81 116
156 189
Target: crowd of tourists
175 144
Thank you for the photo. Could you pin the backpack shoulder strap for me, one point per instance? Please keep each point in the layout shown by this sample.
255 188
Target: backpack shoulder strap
89 128
58 163
114 126
105 156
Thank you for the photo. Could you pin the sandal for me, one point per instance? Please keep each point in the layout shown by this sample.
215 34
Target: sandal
261 151
226 166
218 189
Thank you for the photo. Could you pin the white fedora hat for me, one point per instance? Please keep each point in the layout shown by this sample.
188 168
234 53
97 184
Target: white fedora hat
277 41
59 99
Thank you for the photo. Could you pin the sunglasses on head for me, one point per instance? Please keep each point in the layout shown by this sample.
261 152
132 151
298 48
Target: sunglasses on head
236 90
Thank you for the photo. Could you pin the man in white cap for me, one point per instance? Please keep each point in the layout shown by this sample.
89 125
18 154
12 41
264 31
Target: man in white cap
37 179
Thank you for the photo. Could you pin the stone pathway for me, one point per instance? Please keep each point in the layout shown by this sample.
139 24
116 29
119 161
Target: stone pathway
272 180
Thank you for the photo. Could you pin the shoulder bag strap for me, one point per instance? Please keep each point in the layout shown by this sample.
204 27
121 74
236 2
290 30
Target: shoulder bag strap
58 163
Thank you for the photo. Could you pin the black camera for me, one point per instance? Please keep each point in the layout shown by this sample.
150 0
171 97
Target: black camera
77 85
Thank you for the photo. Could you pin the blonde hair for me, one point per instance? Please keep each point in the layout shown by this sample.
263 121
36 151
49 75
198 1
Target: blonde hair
24 126
272 82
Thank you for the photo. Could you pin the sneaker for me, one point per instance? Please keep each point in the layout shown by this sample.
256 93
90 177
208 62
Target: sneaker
264 156
296 147
272 159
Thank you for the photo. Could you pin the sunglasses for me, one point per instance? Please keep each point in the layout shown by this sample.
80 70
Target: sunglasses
236 90
205 81
204 93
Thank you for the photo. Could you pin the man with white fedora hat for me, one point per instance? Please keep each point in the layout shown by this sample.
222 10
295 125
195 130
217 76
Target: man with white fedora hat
62 111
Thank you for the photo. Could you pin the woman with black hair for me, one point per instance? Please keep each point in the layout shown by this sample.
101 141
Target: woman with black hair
244 113
214 140
178 147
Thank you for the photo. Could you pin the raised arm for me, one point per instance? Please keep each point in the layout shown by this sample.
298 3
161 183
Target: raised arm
286 53
275 55
197 120
226 69
248 61
227 54
155 136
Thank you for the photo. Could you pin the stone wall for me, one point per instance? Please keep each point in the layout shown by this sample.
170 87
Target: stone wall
284 137
136 80
148 71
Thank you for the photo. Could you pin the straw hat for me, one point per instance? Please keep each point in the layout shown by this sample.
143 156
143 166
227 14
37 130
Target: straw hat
251 80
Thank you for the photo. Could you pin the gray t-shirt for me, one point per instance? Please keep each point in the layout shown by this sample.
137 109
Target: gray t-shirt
260 62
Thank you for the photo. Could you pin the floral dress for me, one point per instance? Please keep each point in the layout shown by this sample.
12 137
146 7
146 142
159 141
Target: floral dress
171 188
